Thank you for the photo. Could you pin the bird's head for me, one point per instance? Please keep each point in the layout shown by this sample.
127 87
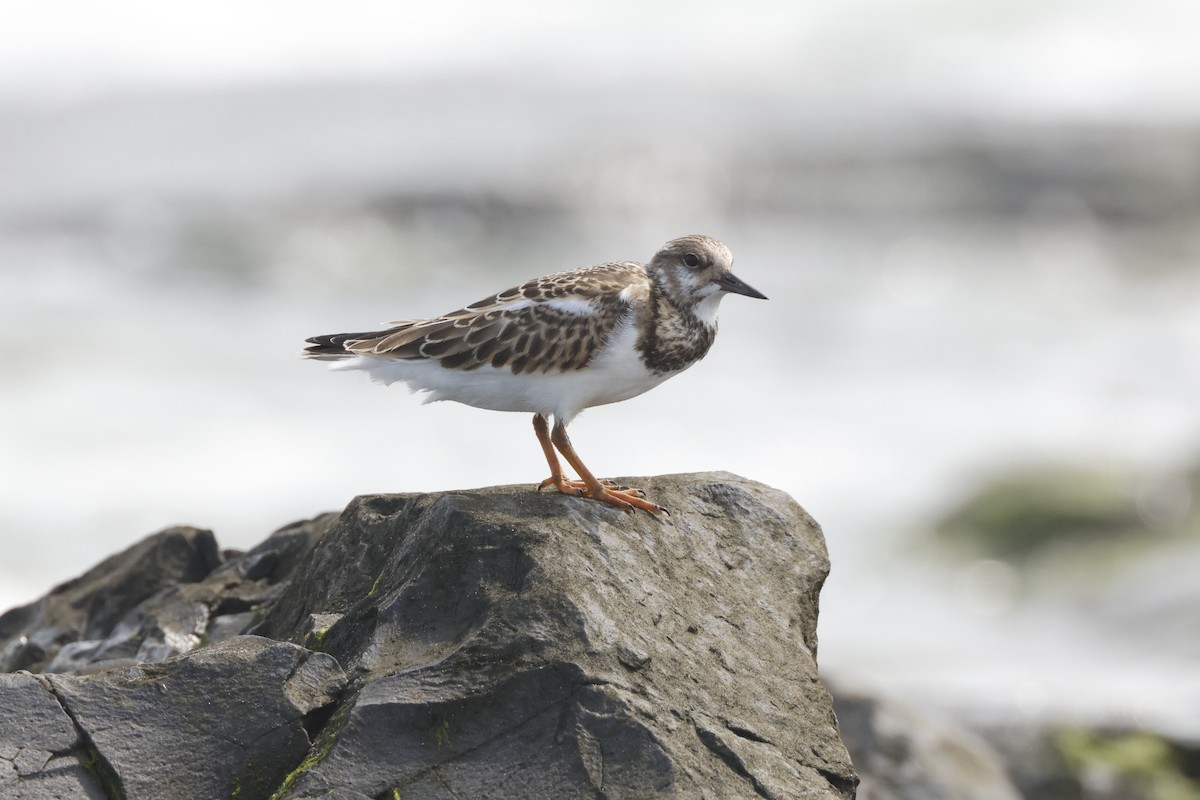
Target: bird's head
694 271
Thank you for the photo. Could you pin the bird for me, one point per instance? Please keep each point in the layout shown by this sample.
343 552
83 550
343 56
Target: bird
558 344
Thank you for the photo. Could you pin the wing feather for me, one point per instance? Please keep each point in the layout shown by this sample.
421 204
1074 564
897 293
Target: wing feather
553 324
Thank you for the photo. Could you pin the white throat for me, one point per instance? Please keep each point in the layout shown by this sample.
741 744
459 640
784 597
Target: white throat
706 309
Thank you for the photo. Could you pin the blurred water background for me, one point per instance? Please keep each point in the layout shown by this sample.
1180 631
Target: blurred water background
978 224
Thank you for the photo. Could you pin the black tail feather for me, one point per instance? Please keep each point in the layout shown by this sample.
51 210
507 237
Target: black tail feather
333 345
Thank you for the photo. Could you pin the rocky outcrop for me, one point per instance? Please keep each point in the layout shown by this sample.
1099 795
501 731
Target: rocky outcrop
494 643
81 614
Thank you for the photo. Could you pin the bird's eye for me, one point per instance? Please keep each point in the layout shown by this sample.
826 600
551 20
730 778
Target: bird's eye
691 260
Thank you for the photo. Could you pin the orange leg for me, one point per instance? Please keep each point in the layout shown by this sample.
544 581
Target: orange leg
624 499
557 479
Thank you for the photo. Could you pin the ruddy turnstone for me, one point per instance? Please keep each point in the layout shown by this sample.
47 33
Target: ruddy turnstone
556 345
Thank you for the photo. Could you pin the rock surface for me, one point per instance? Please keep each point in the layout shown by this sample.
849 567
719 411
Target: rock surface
41 753
493 643
903 753
226 720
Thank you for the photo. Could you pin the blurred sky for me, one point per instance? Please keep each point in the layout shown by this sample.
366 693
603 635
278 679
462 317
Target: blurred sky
1085 57
182 201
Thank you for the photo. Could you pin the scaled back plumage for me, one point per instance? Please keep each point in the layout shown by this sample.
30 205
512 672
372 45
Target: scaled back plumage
556 323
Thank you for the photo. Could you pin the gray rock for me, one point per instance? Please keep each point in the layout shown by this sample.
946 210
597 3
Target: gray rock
162 597
74 656
499 643
510 644
224 719
902 753
41 753
89 606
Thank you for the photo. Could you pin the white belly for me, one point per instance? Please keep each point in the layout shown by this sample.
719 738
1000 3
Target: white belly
616 374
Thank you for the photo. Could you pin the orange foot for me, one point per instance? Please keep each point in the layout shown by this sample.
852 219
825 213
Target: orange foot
565 486
623 497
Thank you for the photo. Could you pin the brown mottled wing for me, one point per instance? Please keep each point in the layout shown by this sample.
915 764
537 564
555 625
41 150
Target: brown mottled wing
551 324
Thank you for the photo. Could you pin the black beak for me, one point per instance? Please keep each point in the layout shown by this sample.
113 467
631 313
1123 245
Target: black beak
732 283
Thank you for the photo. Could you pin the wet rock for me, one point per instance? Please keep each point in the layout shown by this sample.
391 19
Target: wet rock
225 719
90 606
159 598
41 754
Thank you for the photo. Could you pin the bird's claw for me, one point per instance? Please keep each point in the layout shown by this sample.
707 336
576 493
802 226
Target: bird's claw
626 498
